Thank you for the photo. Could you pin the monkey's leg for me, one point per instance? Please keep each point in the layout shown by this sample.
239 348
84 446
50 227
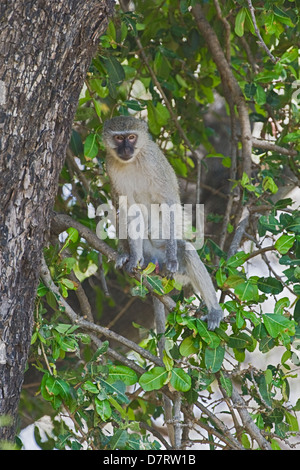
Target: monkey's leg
202 283
123 254
135 254
171 248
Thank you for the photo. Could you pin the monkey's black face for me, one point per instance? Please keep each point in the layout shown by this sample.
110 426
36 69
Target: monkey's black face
125 145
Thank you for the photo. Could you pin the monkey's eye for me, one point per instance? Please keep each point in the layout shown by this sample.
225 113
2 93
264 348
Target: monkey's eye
119 138
132 138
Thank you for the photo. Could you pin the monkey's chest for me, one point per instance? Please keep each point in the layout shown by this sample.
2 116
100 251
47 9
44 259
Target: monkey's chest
137 187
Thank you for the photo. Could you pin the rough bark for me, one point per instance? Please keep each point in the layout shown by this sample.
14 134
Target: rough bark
45 50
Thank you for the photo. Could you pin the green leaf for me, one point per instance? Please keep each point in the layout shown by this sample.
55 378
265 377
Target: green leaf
269 184
240 341
158 116
67 283
119 439
226 384
162 66
269 222
41 290
162 114
76 143
123 373
101 350
245 441
184 6
269 285
97 86
247 290
208 336
57 386
103 409
292 137
187 347
214 358
266 344
180 380
282 16
117 389
260 95
281 304
91 148
117 406
284 243
237 260
154 379
114 69
276 324
156 284
72 237
82 114
240 22
66 328
90 387
292 421
139 291
220 277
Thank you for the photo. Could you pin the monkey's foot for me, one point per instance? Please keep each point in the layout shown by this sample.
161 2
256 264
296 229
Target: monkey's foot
133 265
121 260
171 267
214 318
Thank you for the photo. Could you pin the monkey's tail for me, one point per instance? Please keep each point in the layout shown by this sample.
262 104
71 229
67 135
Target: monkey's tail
202 283
199 277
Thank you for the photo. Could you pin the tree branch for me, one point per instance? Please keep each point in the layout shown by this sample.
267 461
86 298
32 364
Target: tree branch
267 145
261 41
231 87
247 421
235 244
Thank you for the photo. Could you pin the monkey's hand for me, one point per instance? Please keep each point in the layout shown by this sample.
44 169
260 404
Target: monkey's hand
122 259
214 318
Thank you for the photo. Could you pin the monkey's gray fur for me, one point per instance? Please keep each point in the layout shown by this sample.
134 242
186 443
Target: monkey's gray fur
139 170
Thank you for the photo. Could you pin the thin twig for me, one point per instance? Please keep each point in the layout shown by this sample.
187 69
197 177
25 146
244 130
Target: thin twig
267 145
221 431
261 41
260 251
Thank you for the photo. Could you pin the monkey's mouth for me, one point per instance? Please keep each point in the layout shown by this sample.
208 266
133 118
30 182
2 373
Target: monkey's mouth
125 155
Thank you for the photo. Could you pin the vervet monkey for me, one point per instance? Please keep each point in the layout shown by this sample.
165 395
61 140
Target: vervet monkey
139 170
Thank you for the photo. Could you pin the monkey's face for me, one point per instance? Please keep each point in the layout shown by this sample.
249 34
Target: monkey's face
125 137
125 145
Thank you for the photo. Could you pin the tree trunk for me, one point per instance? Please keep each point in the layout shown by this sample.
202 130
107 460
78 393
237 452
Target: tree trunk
45 50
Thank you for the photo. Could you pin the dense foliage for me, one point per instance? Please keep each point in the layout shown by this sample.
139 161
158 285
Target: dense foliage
231 388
